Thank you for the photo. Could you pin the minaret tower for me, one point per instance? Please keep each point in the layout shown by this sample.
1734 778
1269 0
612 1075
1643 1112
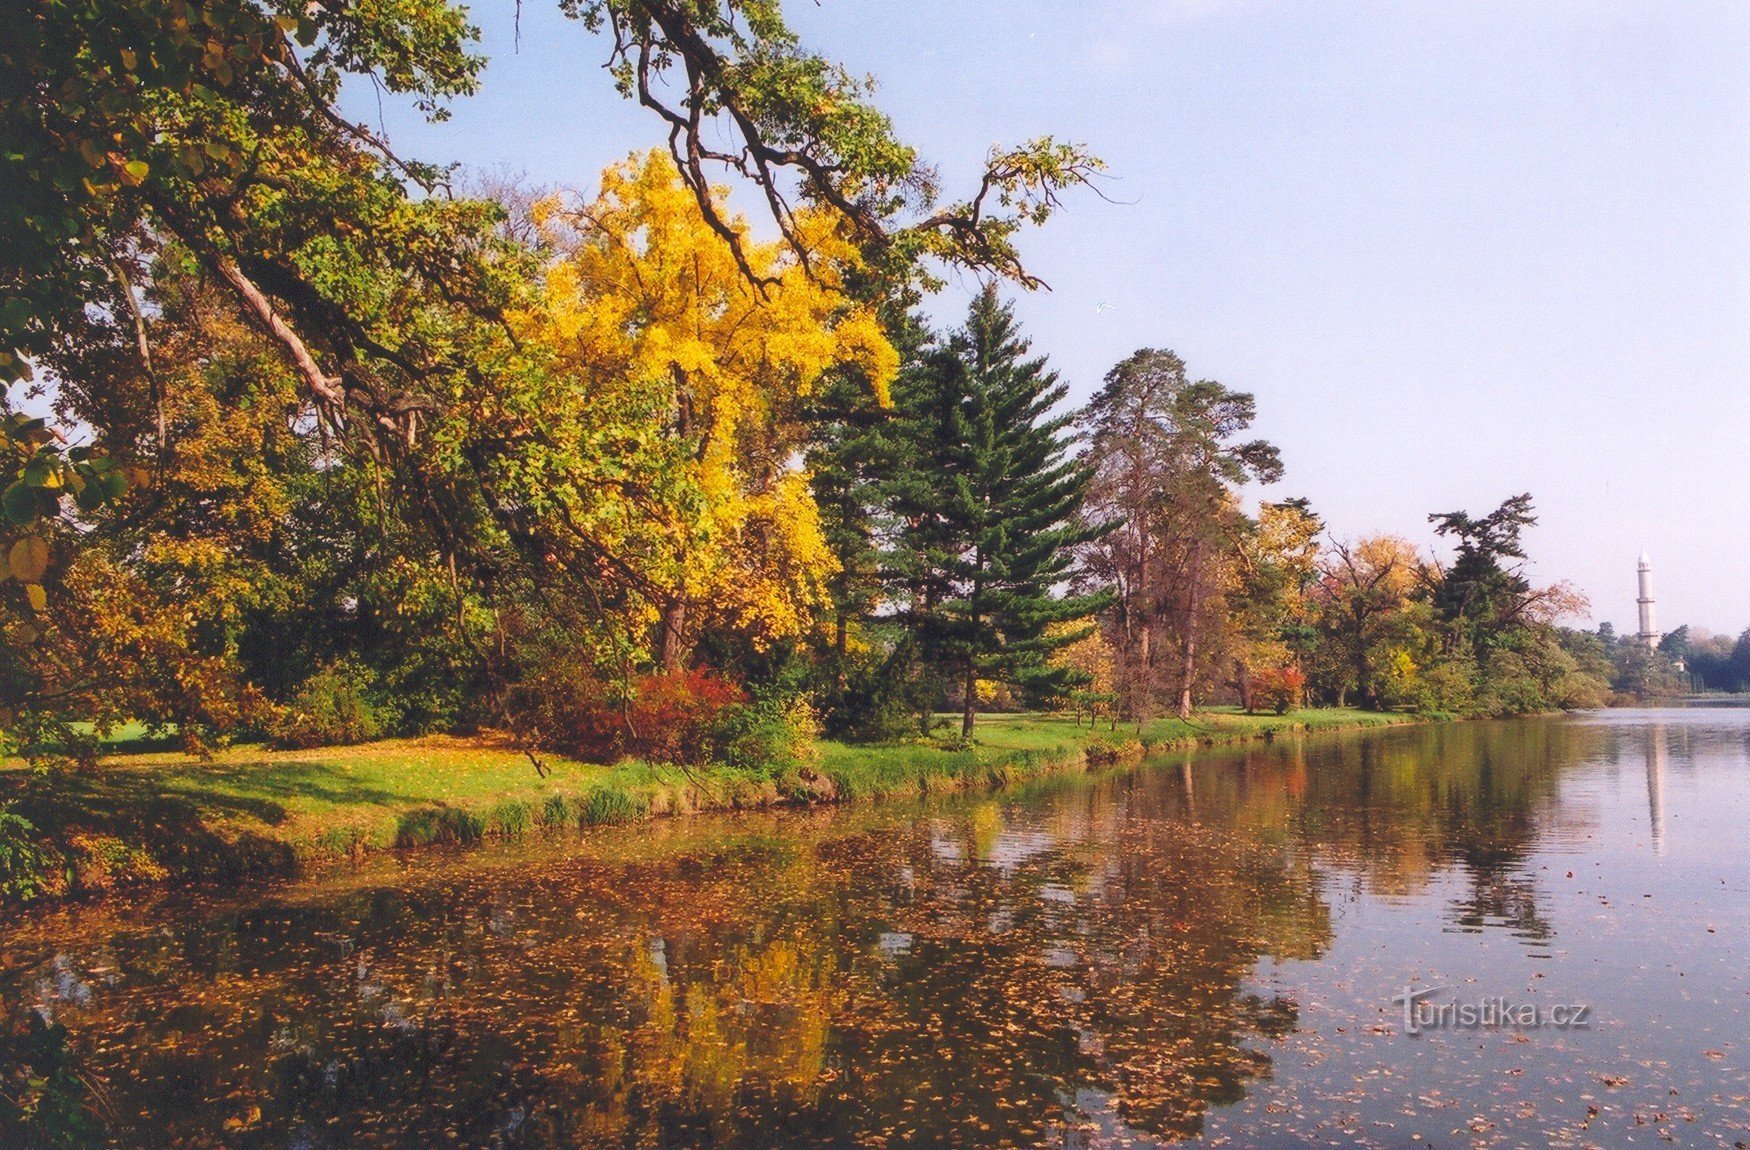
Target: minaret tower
1649 632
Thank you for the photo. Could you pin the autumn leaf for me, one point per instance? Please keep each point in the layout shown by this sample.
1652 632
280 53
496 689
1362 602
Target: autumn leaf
28 559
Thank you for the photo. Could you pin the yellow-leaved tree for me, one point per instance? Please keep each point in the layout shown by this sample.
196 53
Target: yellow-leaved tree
671 418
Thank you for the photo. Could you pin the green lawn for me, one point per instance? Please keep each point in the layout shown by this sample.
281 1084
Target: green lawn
155 815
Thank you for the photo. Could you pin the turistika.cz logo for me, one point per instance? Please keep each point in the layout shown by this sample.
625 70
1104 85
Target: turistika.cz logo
1486 1014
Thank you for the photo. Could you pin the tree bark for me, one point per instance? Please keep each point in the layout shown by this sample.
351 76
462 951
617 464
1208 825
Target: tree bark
324 387
970 715
1193 604
671 639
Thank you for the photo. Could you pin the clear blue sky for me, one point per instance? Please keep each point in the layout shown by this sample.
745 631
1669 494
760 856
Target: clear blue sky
1458 251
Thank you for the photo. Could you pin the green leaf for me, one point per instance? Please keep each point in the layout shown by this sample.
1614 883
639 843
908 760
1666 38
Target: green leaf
20 504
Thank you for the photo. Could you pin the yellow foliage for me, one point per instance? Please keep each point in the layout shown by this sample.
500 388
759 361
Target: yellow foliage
681 431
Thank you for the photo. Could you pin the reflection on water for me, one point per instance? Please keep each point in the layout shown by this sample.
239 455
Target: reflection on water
1657 754
1204 949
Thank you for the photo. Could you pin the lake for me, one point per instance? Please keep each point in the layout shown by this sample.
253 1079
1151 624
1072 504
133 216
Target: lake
1210 949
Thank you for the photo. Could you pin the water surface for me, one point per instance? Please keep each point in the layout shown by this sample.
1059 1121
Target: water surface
1205 950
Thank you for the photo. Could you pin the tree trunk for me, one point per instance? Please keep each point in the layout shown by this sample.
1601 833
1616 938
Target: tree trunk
1189 671
1193 603
839 640
1141 689
671 639
970 714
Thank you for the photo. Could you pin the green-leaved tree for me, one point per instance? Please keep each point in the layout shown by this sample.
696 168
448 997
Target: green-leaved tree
986 501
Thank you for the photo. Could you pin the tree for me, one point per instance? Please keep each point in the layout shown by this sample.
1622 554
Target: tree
1363 587
124 123
1711 660
1482 592
1270 625
1166 462
987 501
657 461
1485 598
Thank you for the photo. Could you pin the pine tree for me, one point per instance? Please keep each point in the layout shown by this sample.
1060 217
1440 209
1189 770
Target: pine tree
985 500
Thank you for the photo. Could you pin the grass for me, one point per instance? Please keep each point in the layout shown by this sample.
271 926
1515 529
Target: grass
155 815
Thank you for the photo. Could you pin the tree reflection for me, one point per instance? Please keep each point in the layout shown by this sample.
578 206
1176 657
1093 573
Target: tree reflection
1036 972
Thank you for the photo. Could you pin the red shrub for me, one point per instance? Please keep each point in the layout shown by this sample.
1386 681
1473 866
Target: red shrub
1279 688
670 716
675 715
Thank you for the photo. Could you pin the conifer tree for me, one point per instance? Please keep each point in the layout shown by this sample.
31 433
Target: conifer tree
985 500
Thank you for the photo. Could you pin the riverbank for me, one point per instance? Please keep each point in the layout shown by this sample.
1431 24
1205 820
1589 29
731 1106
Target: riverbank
159 817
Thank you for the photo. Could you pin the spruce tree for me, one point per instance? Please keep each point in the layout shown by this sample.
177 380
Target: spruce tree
985 498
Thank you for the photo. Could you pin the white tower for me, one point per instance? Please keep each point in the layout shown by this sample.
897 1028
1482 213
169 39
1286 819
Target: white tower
1649 632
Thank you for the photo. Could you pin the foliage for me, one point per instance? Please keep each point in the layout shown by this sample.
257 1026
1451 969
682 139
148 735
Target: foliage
1365 595
46 1103
1720 662
660 470
683 717
1167 461
871 695
332 708
1281 689
987 502
1093 690
445 374
769 736
24 864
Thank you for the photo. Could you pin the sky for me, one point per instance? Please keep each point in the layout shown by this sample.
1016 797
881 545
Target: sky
1457 251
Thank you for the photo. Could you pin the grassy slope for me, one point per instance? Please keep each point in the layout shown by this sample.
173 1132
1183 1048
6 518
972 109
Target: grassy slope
154 816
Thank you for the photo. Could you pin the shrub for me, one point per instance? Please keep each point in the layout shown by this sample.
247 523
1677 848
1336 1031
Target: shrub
771 737
1447 687
331 708
679 716
1103 751
1279 688
871 695
556 811
511 818
562 703
667 717
26 869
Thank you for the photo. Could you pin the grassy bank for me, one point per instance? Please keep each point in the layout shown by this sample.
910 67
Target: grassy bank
161 816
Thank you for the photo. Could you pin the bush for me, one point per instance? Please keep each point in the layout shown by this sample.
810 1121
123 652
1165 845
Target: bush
870 696
680 716
331 708
26 869
1101 751
668 717
1446 687
428 826
771 737
1279 688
